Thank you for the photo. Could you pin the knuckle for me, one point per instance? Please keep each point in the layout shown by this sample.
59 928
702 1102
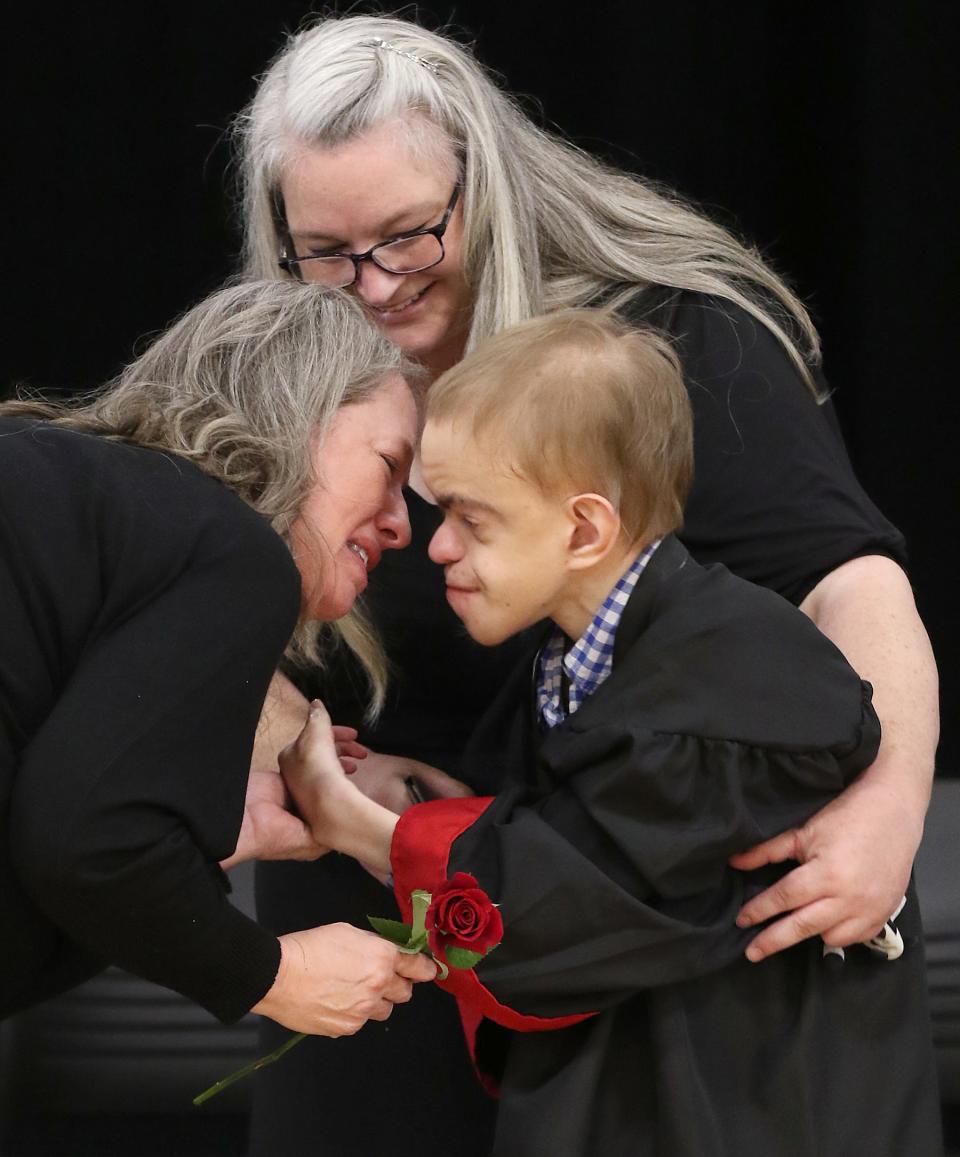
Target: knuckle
835 939
803 927
780 897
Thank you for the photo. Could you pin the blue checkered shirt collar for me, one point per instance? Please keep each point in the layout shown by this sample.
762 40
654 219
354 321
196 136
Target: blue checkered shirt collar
590 660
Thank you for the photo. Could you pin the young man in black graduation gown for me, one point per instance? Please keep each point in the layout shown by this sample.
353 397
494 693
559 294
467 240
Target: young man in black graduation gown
672 716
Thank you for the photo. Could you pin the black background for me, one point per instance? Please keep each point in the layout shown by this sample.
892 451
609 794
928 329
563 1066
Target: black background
824 133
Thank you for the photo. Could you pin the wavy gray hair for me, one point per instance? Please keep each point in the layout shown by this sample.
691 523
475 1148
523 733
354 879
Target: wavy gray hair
546 225
242 385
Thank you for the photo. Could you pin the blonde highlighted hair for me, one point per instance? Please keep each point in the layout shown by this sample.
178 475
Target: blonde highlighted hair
243 385
546 225
581 402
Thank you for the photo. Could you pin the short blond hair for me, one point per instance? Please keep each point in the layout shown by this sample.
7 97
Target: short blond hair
581 402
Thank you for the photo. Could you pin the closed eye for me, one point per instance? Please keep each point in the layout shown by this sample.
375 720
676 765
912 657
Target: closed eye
328 251
407 233
340 250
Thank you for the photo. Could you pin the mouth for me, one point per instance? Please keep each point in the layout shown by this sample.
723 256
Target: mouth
358 550
369 555
387 314
459 597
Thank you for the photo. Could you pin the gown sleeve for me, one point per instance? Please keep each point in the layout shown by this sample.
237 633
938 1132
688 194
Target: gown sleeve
616 879
133 787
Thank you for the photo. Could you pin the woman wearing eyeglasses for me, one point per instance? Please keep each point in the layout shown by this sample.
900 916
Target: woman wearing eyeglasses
359 131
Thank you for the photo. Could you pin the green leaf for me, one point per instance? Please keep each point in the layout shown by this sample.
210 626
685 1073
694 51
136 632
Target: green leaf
463 957
442 971
420 901
393 930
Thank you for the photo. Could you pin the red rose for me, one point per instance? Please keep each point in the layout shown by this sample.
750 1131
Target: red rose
462 915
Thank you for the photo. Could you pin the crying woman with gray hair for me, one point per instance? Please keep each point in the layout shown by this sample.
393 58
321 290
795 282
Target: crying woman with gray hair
163 542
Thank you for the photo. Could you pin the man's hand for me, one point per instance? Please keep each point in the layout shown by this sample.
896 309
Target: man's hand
332 980
855 859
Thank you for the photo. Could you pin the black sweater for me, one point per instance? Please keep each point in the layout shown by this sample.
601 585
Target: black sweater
143 608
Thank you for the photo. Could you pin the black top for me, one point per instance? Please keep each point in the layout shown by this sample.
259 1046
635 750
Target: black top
774 498
143 608
727 718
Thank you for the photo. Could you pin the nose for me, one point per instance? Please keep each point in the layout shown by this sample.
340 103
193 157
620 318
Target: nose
445 546
393 524
374 285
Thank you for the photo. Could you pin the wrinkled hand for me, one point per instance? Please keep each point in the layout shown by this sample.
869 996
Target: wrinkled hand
855 859
332 980
381 778
271 830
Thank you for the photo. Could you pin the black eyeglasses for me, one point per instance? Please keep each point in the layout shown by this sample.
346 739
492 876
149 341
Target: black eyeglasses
406 253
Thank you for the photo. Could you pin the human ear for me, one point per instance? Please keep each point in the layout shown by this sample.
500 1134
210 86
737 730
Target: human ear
594 530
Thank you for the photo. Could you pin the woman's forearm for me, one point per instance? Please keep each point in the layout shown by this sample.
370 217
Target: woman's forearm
856 854
281 721
866 608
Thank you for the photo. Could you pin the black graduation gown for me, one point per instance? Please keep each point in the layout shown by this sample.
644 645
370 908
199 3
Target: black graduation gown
727 718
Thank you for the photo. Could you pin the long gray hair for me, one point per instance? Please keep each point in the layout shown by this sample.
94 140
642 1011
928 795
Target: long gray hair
546 225
242 386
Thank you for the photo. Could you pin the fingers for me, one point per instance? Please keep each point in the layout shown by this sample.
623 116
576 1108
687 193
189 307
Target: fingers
348 752
381 1011
416 967
351 748
399 990
345 739
794 890
317 714
808 921
343 734
349 1024
314 747
786 846
851 931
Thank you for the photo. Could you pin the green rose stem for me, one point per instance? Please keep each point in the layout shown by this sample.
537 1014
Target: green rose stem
252 1067
419 903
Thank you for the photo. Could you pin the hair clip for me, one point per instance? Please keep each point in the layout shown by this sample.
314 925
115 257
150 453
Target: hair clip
389 46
